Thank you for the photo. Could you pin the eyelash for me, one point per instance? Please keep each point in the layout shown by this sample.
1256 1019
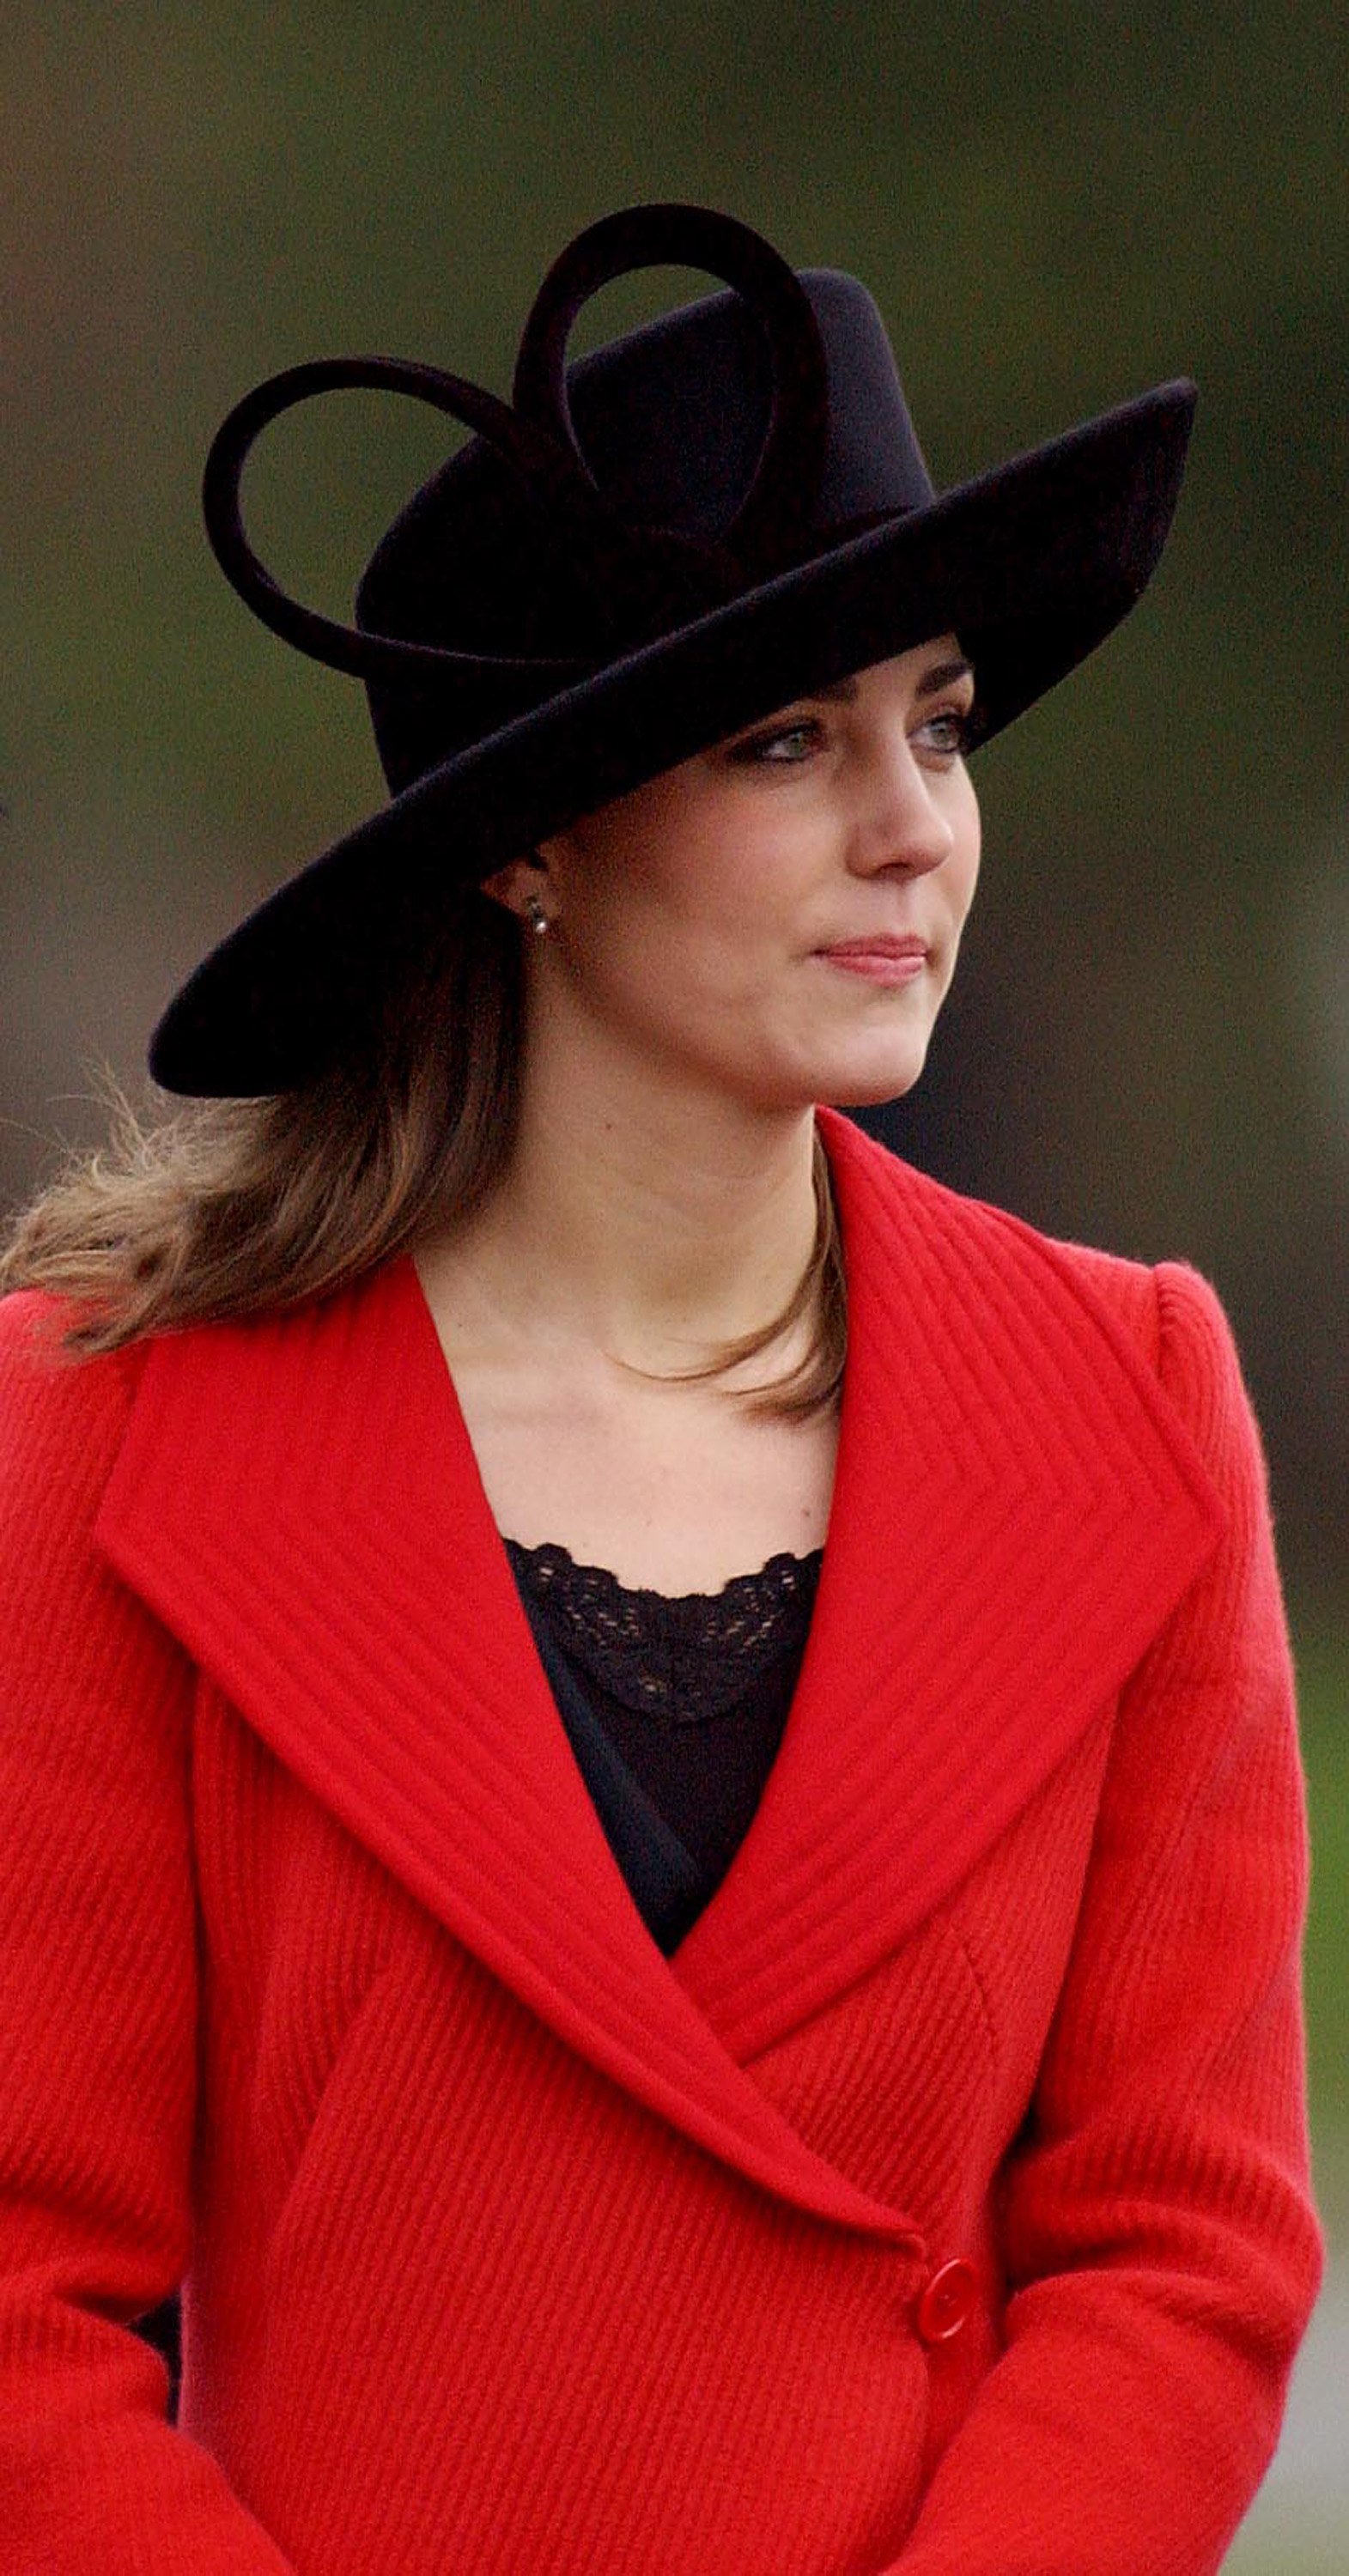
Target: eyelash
757 750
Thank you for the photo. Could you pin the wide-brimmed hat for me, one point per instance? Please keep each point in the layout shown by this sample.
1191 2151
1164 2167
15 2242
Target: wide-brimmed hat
638 556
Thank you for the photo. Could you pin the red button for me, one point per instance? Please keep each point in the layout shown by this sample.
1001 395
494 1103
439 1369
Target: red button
947 2301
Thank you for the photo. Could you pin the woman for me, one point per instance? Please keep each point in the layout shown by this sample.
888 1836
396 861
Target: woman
657 2039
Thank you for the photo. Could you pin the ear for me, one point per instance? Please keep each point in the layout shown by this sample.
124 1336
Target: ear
514 884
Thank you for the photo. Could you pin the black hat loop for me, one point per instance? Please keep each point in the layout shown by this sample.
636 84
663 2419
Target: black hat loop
786 479
544 466
650 575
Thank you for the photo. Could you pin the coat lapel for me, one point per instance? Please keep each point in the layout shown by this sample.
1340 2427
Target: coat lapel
1016 1510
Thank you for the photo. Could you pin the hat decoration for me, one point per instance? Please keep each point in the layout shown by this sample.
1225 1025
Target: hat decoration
644 577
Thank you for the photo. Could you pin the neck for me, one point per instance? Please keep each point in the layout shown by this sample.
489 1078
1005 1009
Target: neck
639 1216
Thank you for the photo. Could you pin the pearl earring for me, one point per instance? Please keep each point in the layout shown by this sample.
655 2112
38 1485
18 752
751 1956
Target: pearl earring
538 918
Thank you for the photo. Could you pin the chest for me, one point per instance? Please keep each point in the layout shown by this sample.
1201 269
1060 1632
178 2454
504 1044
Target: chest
675 1490
336 1982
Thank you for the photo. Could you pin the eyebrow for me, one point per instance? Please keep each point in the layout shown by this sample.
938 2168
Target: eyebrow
941 676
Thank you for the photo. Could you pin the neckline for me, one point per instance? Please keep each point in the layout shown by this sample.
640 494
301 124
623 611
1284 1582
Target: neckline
546 1554
683 1658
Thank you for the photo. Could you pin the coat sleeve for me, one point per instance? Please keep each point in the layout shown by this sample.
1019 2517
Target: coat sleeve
1161 2250
97 2016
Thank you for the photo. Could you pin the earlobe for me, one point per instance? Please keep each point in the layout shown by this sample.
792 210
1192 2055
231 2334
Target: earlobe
517 884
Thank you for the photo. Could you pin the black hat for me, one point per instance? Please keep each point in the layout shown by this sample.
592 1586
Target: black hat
641 554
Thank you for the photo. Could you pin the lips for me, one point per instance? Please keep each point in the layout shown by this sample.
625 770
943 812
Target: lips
878 946
883 959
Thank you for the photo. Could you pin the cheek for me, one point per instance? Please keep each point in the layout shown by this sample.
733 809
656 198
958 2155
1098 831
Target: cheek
966 853
703 883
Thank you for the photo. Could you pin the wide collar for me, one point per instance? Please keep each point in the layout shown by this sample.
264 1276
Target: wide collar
1016 1510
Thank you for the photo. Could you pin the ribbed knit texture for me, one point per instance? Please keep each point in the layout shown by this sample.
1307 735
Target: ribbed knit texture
513 2248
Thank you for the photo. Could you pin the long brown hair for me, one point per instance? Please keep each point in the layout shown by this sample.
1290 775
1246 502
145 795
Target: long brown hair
232 1208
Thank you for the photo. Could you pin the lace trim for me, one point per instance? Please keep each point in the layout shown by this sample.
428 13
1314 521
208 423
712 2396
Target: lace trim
682 1658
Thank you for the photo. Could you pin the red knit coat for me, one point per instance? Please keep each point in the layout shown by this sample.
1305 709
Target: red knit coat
940 2206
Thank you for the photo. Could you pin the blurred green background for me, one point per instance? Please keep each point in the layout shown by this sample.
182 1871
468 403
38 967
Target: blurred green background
1055 206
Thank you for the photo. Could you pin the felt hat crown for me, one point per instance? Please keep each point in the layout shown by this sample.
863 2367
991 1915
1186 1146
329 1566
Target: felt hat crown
640 554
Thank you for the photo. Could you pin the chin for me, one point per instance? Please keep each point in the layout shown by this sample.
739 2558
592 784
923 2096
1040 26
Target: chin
869 1086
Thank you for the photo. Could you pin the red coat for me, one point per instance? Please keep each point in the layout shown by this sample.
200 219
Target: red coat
941 2205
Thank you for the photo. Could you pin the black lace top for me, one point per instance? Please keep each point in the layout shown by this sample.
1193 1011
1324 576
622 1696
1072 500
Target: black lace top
675 1709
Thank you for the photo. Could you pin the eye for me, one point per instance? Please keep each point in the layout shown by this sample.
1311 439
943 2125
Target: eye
950 731
785 746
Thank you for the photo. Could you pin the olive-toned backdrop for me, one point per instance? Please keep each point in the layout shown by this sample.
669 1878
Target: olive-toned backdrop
1054 205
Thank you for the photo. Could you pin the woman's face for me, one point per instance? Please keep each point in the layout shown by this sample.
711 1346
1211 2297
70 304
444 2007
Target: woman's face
779 916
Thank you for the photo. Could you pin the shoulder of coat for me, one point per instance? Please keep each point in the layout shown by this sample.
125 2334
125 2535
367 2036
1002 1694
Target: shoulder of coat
52 1393
1128 1288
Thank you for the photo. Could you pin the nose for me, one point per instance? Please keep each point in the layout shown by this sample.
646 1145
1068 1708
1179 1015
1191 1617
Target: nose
901 821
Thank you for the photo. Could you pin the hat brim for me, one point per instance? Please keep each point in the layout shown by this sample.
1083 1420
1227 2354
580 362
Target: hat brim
1030 565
